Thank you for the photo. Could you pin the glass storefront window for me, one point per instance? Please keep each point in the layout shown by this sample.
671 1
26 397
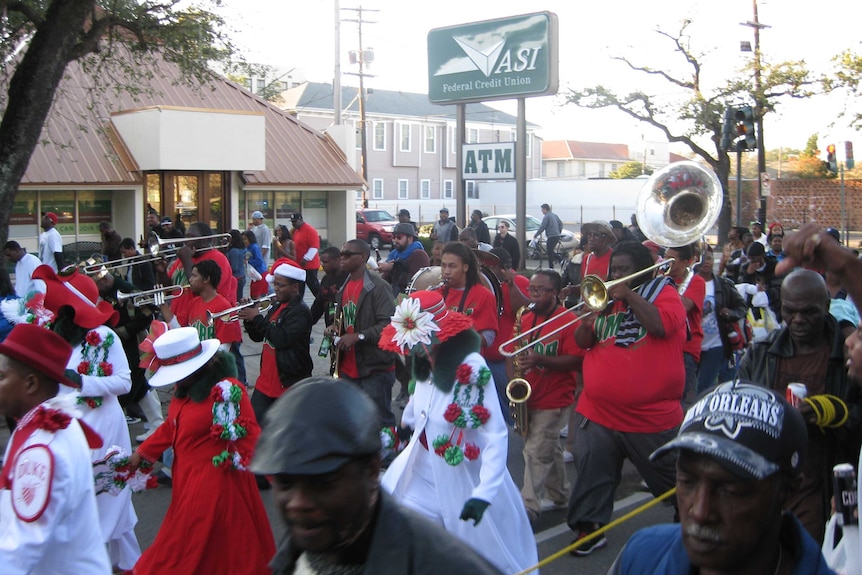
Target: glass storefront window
154 192
25 219
185 191
214 185
93 208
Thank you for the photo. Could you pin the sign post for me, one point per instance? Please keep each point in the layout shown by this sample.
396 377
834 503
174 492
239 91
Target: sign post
512 57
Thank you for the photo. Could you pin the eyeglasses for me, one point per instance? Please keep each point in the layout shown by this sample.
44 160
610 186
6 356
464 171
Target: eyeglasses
539 290
348 254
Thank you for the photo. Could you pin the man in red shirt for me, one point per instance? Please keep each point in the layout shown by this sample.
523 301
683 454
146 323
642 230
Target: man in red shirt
631 403
692 290
550 367
307 243
286 336
463 291
514 288
203 284
366 306
600 238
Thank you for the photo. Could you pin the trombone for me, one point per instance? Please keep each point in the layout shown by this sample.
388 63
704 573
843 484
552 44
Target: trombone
594 295
264 304
676 206
140 298
156 244
96 267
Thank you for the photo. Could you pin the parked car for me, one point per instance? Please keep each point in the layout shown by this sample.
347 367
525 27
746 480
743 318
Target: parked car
375 227
568 240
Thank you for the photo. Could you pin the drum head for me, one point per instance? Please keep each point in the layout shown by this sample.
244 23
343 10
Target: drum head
424 279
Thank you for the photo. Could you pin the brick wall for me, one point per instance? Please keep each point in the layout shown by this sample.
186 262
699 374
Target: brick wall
795 202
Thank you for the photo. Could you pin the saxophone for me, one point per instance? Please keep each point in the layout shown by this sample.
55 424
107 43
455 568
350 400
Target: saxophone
518 390
334 351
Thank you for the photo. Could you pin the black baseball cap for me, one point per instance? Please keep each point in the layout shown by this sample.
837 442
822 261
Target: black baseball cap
403 212
751 430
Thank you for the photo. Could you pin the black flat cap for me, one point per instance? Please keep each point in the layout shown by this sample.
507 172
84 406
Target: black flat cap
316 427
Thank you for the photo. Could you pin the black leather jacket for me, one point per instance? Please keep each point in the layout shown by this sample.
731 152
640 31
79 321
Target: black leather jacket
290 335
374 312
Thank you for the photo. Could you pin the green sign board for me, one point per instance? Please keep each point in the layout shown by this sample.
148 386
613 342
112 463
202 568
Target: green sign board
498 59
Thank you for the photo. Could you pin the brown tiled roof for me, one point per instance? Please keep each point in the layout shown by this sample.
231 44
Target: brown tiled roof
81 149
676 158
574 150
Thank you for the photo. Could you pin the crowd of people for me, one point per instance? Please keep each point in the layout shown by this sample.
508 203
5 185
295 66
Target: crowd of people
691 370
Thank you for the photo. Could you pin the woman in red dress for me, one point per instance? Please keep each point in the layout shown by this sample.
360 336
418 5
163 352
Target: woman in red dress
216 523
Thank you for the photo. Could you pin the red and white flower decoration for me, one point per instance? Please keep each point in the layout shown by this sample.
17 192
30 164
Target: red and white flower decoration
412 325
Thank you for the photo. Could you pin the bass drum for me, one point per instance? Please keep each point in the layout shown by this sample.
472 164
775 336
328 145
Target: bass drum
431 278
424 279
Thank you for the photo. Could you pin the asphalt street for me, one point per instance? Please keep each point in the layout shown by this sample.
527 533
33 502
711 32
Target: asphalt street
552 533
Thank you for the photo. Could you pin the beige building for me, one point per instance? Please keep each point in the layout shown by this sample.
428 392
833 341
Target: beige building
212 153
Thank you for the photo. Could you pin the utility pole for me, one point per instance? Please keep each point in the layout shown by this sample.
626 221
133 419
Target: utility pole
759 109
362 57
336 73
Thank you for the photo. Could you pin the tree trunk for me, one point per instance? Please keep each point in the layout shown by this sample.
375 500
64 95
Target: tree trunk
31 94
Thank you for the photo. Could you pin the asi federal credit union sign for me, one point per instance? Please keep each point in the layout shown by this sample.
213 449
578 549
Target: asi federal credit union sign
494 59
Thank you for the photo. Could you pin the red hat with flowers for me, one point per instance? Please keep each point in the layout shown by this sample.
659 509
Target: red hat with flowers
79 291
420 322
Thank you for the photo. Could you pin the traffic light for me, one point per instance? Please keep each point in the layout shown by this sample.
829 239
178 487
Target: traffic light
831 159
747 137
728 129
849 163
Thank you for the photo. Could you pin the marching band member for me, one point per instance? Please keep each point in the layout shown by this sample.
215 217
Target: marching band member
454 468
216 522
549 367
50 530
100 371
463 290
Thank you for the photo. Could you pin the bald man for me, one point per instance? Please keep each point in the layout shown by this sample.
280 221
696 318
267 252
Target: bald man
809 349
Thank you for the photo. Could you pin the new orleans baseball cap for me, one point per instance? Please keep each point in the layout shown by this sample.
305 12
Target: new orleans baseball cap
750 430
316 427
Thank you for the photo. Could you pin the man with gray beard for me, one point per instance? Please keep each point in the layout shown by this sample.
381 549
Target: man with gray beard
741 451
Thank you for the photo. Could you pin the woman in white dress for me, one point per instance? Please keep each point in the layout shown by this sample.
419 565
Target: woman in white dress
453 471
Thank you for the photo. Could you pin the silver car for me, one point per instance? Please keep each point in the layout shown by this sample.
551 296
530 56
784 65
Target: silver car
568 240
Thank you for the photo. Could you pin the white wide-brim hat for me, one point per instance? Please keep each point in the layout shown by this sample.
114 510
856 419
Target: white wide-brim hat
180 353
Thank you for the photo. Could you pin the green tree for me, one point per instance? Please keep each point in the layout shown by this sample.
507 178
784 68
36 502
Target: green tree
696 118
848 74
629 170
42 37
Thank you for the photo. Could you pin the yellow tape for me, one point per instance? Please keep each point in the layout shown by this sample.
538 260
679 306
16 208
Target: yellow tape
599 531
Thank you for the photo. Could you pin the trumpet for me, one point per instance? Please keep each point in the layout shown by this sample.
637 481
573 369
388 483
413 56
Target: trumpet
676 206
141 298
156 244
264 304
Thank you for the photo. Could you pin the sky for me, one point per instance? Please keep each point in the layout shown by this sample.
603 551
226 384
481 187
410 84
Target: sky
290 33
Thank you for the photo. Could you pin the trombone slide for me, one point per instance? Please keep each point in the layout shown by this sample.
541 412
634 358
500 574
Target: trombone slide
230 315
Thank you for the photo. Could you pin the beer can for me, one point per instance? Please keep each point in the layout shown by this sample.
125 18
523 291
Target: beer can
846 503
795 393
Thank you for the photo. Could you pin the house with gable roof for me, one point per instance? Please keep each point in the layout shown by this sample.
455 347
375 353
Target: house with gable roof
213 153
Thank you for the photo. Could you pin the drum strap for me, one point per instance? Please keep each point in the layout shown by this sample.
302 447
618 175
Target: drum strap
463 299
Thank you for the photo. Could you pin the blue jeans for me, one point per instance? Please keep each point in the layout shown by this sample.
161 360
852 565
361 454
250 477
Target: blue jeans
240 362
378 386
713 366
498 372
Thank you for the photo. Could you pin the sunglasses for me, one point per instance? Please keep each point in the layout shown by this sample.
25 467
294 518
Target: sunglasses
348 254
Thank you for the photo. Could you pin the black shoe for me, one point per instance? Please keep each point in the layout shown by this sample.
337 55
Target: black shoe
589 546
164 479
262 482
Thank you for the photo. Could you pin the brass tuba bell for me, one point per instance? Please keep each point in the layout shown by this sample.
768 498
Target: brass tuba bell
679 204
